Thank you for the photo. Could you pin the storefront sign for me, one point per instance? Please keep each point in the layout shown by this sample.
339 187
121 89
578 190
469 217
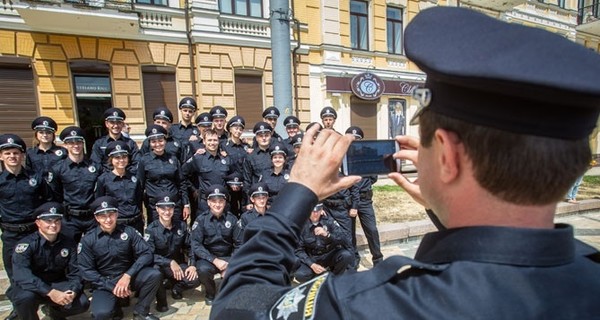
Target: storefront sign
367 86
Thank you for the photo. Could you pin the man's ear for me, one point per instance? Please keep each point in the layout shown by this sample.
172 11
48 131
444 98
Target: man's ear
448 154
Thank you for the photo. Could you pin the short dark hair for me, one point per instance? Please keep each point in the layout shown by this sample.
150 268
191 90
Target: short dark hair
517 168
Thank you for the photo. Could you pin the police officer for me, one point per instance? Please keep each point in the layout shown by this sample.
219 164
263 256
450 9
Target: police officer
271 115
260 158
21 192
170 242
114 121
328 117
363 208
204 121
73 182
259 196
213 240
296 143
278 175
486 126
46 153
219 115
210 167
159 172
292 127
123 186
116 260
46 270
185 130
235 148
164 118
322 247
237 198
338 207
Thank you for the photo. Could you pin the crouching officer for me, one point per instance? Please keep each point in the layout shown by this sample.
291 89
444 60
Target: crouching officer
213 240
46 271
322 247
116 260
170 242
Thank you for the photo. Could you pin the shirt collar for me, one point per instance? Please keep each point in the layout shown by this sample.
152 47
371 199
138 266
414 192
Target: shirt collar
500 245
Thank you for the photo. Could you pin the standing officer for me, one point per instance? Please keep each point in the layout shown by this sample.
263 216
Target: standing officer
46 153
237 150
213 240
170 242
278 174
210 167
21 192
328 117
237 197
322 247
164 118
73 182
219 118
364 210
259 196
123 186
271 115
114 120
493 110
260 158
204 121
292 127
46 269
116 260
185 130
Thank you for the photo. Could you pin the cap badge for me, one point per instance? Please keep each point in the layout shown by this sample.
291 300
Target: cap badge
217 191
236 179
299 139
116 114
104 204
73 133
162 112
262 127
45 123
276 148
52 210
118 147
10 140
154 130
218 111
260 189
167 199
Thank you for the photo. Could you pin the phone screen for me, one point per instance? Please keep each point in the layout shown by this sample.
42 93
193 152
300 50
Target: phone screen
370 157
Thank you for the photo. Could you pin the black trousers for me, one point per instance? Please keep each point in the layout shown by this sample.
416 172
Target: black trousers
206 273
74 227
9 240
366 216
26 303
181 285
337 261
146 282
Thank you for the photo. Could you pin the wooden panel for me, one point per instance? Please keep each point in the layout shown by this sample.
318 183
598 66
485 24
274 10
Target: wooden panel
364 115
159 91
249 98
18 105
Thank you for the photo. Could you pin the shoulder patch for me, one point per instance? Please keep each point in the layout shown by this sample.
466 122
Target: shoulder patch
147 237
21 247
79 246
195 225
300 302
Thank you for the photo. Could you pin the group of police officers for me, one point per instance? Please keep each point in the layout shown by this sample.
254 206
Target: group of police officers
67 219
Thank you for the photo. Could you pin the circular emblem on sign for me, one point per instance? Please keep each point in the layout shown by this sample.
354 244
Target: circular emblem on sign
32 182
92 169
367 86
227 224
58 153
64 252
124 236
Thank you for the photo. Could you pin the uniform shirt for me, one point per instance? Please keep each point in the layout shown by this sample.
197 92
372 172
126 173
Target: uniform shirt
311 245
237 152
105 257
173 146
365 185
463 273
38 263
42 161
214 237
343 198
256 162
169 244
74 183
274 181
160 174
209 169
98 155
182 132
127 190
244 220
20 195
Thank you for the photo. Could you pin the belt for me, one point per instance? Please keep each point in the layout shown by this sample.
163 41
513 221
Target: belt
130 220
24 227
367 194
79 212
325 250
335 203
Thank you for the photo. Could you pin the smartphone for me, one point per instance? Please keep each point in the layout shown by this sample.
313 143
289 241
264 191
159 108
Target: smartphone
371 157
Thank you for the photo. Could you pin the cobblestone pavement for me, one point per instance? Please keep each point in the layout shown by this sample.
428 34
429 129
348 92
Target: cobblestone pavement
587 229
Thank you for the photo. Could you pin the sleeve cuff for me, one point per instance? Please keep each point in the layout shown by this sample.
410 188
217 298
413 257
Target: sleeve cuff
295 202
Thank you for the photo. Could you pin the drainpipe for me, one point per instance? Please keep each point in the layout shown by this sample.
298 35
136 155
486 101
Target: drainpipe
188 24
295 66
280 53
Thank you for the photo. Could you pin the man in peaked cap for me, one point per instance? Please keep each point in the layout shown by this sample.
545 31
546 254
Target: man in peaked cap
328 117
219 115
114 120
115 260
46 270
73 182
507 111
185 129
259 196
292 127
213 240
270 116
260 158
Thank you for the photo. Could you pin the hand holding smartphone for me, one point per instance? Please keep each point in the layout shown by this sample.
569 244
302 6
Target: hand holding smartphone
372 157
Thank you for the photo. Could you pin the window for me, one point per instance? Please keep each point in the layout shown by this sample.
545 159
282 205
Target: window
153 2
249 97
160 90
252 8
19 96
359 26
394 30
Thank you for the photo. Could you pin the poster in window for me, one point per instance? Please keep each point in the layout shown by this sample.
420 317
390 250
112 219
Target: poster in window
397 118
